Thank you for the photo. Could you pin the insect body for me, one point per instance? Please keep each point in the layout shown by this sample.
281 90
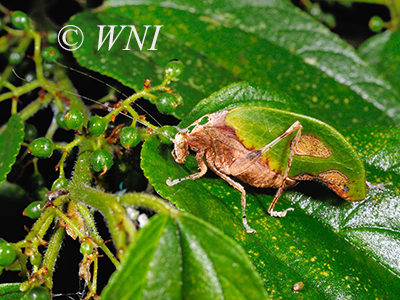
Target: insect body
266 147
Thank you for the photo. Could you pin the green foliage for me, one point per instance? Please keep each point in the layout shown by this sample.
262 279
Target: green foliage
234 53
10 142
177 258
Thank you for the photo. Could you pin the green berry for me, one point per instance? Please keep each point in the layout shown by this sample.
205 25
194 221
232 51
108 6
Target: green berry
174 70
316 11
50 54
101 160
166 133
86 248
41 147
330 20
166 103
60 183
41 192
37 293
48 68
130 137
30 133
376 24
15 57
97 125
7 254
60 120
52 36
19 20
36 181
34 210
36 259
30 76
73 119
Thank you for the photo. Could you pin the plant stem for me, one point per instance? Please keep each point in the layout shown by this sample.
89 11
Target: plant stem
50 257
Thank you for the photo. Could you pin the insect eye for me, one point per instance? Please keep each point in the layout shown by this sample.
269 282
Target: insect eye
180 140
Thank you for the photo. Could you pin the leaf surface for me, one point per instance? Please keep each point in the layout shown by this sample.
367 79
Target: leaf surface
176 258
270 42
10 143
10 291
327 242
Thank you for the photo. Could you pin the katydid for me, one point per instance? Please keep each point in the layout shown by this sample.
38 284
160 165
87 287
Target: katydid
270 148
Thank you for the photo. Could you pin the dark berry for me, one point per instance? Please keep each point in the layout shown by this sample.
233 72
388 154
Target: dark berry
30 133
60 120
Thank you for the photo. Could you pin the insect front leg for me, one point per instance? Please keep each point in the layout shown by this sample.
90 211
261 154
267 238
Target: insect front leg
202 166
295 126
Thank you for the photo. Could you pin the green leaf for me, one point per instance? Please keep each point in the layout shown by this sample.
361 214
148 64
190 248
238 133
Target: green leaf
10 291
201 75
177 259
270 42
382 52
10 143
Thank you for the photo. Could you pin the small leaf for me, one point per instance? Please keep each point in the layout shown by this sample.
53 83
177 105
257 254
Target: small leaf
177 259
10 143
10 291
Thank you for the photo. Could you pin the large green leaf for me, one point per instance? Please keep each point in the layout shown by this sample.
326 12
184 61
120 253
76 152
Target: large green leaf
10 143
326 239
224 41
382 52
176 258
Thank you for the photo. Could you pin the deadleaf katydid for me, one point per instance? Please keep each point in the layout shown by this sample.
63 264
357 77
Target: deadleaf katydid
266 147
